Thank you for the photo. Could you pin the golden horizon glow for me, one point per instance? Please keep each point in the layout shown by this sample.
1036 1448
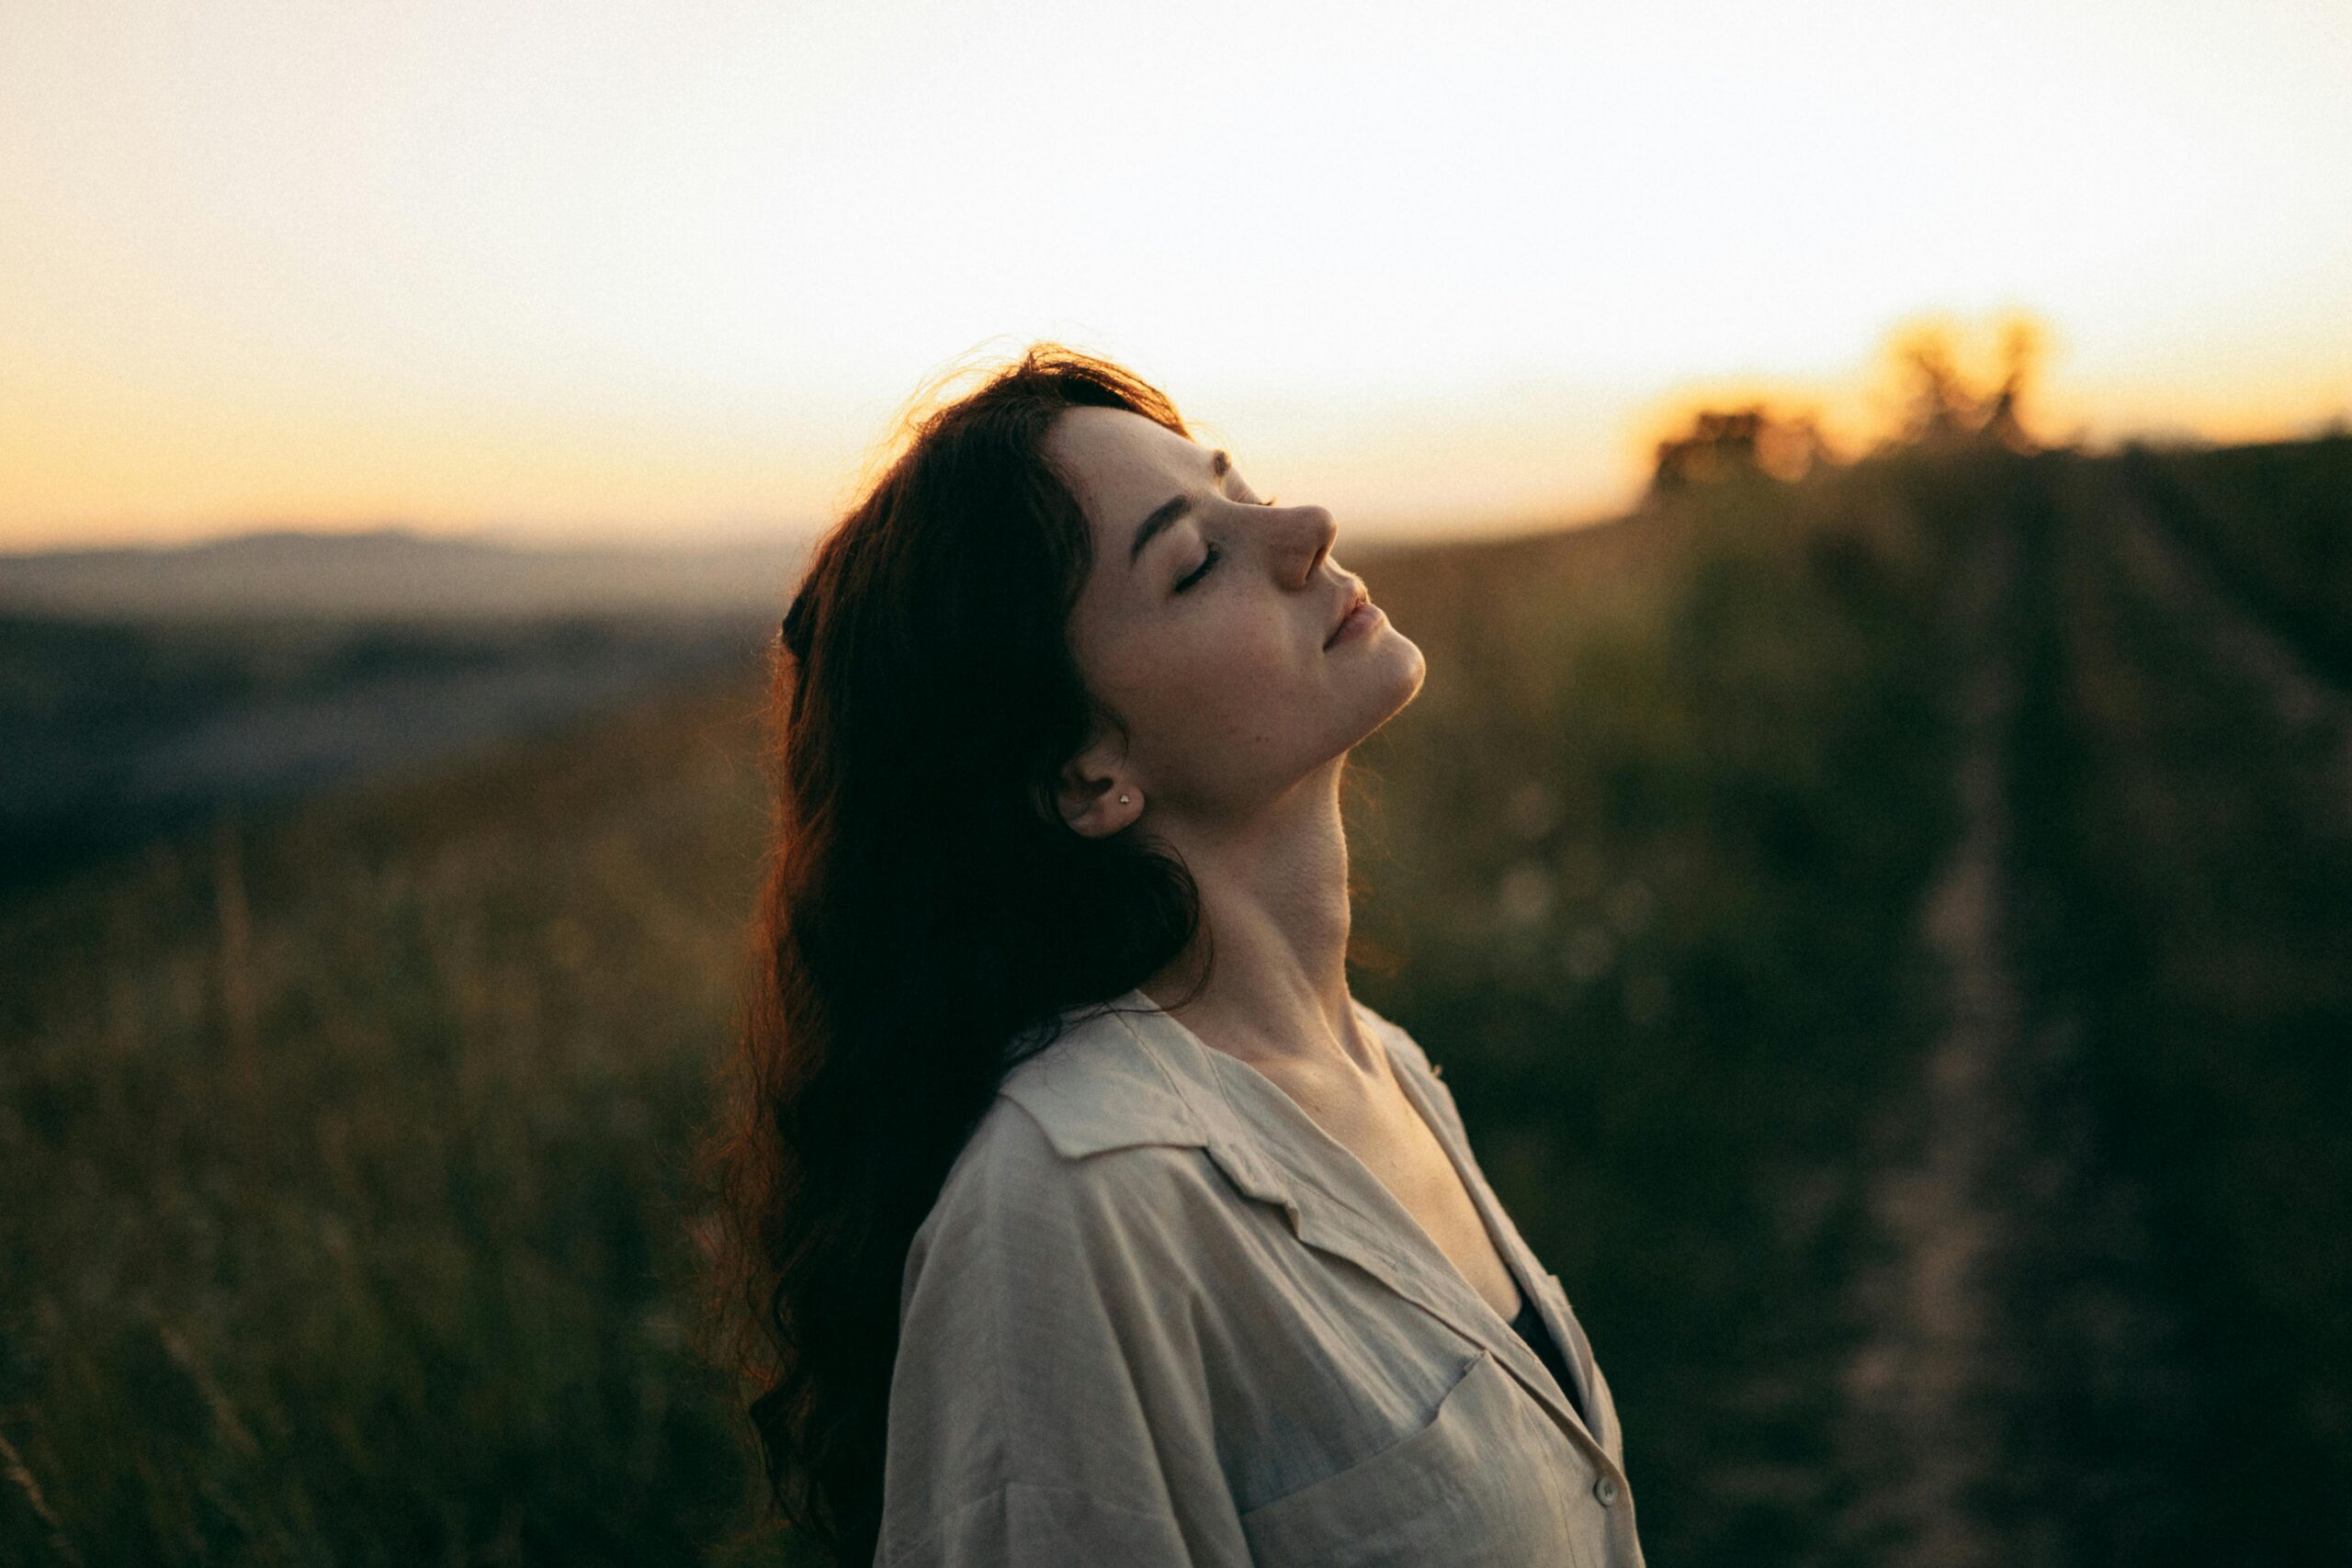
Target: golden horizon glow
635 272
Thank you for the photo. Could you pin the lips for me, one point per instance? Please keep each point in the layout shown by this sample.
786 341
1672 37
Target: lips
1356 597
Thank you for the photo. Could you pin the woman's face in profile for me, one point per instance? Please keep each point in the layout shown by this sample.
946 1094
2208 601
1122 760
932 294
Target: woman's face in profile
1208 624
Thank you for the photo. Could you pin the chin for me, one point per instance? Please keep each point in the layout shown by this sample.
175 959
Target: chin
1412 686
1393 680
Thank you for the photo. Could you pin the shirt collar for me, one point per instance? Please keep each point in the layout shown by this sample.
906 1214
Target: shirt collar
1126 1072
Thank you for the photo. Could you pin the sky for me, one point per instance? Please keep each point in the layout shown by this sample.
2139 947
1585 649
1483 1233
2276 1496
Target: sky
658 272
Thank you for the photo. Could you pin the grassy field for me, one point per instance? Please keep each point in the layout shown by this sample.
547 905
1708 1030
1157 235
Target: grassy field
349 1211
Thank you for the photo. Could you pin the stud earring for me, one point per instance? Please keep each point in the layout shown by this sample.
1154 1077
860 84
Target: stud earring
1123 800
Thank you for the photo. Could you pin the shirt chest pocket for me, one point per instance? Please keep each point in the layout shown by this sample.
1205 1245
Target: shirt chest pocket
1490 1481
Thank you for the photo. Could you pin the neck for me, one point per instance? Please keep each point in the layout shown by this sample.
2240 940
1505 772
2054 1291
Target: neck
1273 896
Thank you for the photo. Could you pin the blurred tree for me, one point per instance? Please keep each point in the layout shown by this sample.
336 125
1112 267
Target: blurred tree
2022 347
1944 407
1753 439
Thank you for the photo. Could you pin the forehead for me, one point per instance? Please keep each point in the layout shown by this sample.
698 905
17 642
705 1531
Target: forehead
1121 464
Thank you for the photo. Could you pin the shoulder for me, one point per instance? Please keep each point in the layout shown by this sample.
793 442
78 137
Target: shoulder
1088 1146
1101 1087
1014 1185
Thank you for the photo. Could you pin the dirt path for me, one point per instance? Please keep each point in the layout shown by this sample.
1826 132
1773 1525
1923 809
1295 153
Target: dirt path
2018 1395
1925 1392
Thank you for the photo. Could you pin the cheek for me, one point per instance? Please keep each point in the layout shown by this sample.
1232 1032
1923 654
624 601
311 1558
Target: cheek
1226 682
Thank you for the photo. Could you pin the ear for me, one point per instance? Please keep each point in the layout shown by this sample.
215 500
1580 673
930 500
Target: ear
1087 792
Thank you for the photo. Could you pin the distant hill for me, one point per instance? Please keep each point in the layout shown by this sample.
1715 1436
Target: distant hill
396 574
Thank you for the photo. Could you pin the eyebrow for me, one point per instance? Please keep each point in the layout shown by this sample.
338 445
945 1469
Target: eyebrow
1165 514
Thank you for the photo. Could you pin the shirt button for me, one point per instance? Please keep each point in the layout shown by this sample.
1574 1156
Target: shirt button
1606 1490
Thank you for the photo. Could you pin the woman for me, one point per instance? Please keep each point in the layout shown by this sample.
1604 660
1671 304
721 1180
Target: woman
1080 1214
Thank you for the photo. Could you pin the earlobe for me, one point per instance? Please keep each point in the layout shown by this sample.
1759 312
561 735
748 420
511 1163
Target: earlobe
1098 795
1090 807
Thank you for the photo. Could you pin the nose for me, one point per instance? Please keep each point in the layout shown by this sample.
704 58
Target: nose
1307 534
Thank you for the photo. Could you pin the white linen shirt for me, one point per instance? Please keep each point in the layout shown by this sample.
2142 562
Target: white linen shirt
1159 1317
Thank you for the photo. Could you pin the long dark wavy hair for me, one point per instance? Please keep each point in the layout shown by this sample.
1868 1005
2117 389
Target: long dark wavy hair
927 915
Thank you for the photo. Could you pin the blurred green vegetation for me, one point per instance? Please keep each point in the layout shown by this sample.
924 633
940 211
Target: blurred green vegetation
348 1210
2274 522
2187 786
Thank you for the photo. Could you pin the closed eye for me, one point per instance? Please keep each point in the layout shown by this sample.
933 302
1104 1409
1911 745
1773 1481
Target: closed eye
1210 559
1200 571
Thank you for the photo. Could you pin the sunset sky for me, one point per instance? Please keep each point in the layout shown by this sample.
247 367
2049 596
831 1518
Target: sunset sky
664 271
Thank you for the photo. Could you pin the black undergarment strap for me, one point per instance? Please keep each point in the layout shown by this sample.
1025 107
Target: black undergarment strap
1529 1325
